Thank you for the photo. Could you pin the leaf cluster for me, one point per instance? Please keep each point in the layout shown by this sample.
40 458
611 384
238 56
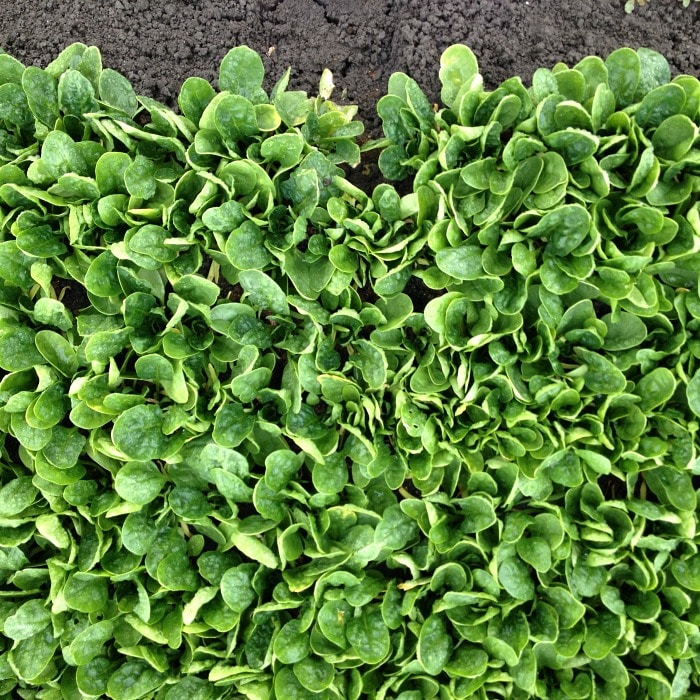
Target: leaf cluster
266 435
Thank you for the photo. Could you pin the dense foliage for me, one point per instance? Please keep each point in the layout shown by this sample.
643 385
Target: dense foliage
265 435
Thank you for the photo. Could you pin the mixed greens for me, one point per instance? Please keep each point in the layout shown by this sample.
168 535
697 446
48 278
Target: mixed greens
266 435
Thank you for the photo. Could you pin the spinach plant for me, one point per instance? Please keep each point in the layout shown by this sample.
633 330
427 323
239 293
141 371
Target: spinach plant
266 435
562 249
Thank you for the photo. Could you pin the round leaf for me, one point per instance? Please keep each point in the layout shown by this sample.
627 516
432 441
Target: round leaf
139 482
138 433
369 636
434 645
515 577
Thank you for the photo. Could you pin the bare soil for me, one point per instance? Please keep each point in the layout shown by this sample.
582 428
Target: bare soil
159 43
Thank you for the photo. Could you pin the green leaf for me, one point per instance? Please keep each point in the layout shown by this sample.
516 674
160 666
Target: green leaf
245 247
254 549
190 688
232 425
332 620
288 686
655 388
659 104
599 463
563 467
602 634
76 95
49 408
188 503
109 173
15 266
30 657
653 71
264 292
672 486
564 229
92 678
41 241
29 619
303 190
458 67
154 368
86 592
224 218
624 331
18 350
586 581
117 92
104 345
516 579
132 680
138 434
309 277
101 278
139 482
74 188
692 393
478 514
434 645
285 149
468 662
195 94
197 290
371 362
138 533
687 572
11 69
60 155
369 636
624 69
89 643
601 375
65 447
314 673
536 552
525 672
462 263
574 145
674 137
291 644
395 530
235 118
269 119
174 573
280 467
140 181
392 163
42 95
14 107
242 73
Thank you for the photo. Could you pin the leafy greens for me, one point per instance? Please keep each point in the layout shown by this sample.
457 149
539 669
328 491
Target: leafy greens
266 435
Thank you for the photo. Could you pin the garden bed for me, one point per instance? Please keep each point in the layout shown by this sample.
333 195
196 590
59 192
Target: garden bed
295 404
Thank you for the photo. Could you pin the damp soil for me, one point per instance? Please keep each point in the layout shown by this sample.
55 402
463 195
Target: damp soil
159 43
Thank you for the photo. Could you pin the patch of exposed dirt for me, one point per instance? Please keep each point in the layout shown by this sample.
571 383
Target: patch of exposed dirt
157 44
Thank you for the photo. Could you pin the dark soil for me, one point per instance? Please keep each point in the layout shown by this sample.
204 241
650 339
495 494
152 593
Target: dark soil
158 43
73 295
